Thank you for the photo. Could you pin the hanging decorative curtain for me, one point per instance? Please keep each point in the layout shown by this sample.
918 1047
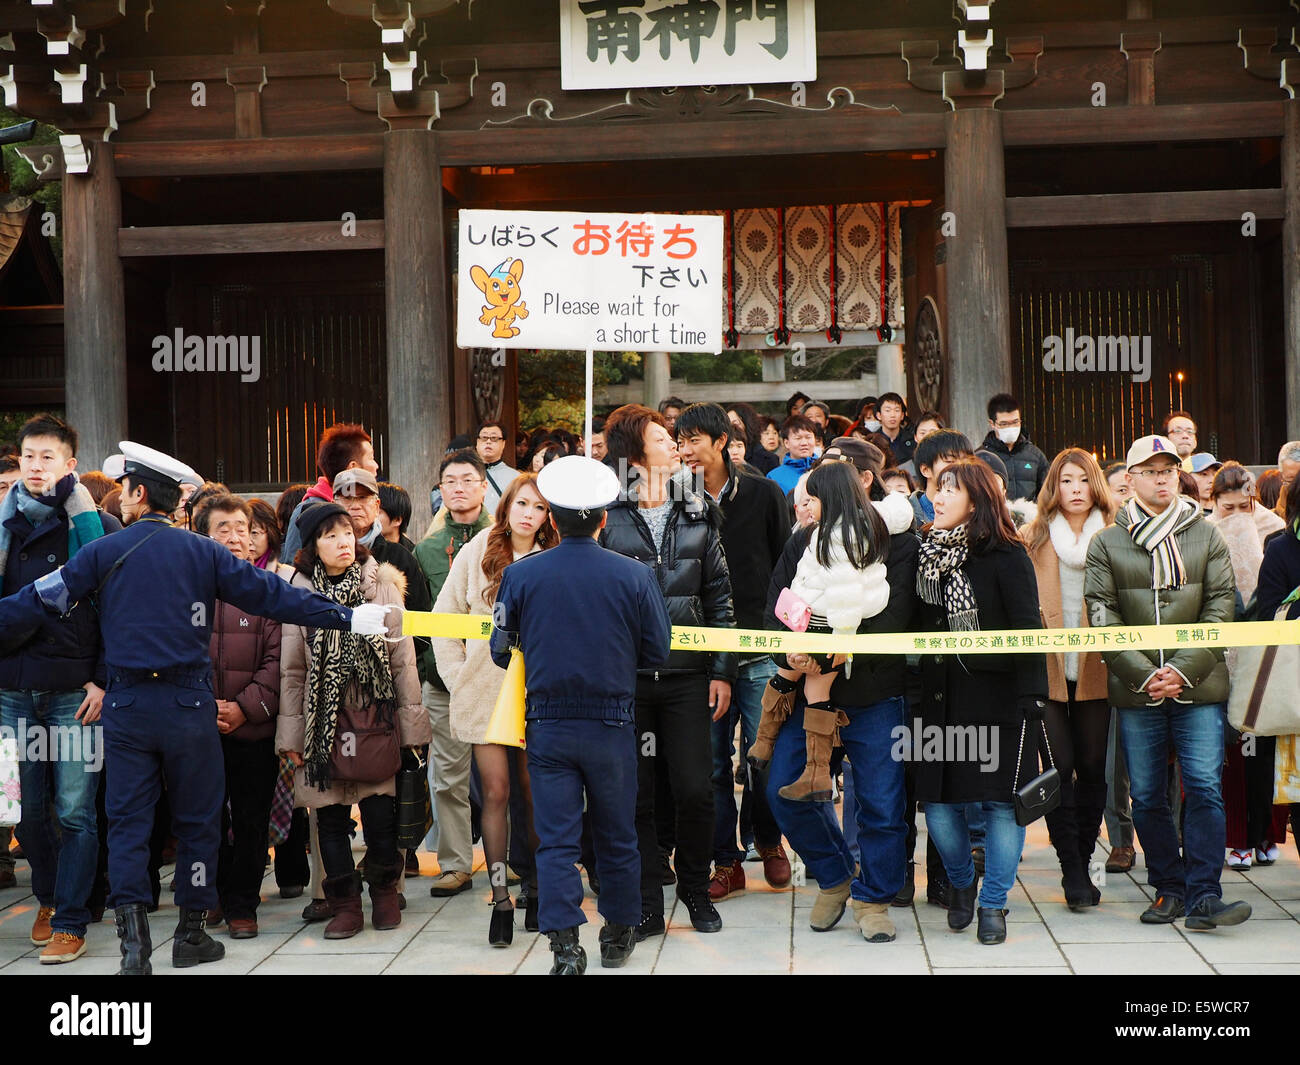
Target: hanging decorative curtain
840 266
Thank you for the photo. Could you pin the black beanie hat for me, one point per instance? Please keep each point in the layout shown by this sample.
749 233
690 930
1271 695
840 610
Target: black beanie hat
313 517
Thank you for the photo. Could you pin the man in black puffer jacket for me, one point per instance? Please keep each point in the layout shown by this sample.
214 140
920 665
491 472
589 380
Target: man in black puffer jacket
661 522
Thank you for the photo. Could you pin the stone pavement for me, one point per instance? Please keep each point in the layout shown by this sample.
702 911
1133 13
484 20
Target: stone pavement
764 932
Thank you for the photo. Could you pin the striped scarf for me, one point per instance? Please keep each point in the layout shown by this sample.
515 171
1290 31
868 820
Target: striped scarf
1155 534
69 494
342 663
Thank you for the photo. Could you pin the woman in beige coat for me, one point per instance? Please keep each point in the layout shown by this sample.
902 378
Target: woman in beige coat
521 527
322 670
1074 504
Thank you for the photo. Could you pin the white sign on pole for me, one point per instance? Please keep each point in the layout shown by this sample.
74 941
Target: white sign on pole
627 44
603 282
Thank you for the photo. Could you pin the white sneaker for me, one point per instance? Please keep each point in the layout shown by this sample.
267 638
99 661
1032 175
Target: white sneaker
1266 855
1239 859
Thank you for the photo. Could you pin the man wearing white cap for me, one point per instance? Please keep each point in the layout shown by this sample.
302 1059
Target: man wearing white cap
581 730
1162 563
159 715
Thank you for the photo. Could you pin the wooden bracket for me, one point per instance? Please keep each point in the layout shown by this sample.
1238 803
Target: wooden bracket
1265 53
1012 68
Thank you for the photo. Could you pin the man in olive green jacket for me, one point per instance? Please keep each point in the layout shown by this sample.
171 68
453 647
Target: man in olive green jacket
463 481
1162 563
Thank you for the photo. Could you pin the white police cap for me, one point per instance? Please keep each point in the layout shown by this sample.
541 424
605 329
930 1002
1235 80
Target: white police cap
148 463
578 483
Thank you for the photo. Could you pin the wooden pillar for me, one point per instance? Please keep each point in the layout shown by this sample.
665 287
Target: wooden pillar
658 378
415 294
94 308
891 376
979 337
1291 262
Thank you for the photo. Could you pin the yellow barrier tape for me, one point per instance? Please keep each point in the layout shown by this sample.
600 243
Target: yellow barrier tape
1002 641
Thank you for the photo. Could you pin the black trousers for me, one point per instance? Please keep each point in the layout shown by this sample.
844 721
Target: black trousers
378 822
1077 732
291 866
251 769
674 730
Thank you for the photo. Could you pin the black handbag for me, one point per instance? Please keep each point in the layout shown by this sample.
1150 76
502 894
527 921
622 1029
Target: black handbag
1041 795
414 804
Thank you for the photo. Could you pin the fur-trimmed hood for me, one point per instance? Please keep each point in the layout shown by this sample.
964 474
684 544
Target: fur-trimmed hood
896 509
375 573
1244 534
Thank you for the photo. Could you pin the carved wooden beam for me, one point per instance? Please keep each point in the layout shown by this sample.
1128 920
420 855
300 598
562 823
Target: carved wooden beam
1265 51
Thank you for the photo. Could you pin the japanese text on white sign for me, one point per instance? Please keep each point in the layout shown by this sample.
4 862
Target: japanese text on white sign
605 282
615 44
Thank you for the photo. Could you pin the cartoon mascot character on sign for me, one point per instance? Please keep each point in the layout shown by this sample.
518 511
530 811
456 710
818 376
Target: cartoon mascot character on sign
501 290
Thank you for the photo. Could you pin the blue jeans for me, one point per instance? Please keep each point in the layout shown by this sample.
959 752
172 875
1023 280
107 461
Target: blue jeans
811 827
1196 733
949 827
65 778
746 704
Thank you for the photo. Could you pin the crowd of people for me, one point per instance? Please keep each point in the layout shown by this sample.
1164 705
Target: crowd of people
871 523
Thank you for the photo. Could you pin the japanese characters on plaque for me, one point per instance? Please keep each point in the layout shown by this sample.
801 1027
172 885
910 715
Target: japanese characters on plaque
573 281
626 44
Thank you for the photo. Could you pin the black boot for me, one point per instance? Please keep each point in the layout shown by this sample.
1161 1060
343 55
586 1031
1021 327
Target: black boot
530 910
617 941
961 904
191 945
1080 893
133 930
992 927
908 891
570 958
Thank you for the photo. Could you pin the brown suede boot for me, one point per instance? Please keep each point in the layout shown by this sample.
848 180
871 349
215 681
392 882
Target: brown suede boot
820 723
343 893
386 910
777 706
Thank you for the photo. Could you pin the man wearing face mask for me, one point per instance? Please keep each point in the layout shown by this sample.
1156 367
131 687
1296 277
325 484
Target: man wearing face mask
1026 465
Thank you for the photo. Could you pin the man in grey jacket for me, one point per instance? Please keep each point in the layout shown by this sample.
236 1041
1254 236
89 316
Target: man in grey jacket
1162 563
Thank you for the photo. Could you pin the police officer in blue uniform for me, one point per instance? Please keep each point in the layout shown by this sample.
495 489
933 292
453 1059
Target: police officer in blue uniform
586 620
154 587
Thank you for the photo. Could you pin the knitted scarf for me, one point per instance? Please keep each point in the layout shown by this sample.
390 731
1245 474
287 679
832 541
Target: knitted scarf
941 580
342 663
70 496
1154 533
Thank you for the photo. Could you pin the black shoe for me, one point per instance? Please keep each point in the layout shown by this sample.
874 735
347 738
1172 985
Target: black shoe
992 926
570 958
291 891
936 890
977 856
704 916
501 931
652 924
530 913
961 904
617 941
668 876
1214 913
191 945
133 930
316 910
908 891
1165 910
593 882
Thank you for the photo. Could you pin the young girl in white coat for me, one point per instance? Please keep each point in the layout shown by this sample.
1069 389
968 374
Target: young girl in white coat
841 577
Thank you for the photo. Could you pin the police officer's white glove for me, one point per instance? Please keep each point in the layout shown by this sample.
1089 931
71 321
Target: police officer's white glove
369 619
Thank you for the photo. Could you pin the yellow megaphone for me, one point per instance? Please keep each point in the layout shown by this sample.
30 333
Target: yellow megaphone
506 726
